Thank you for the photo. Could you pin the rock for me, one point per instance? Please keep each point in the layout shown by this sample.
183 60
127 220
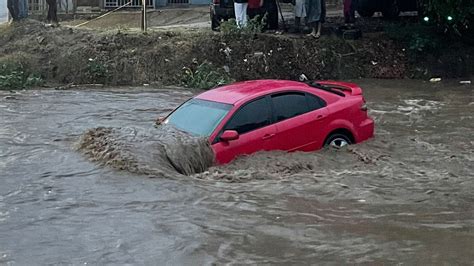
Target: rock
303 77
40 39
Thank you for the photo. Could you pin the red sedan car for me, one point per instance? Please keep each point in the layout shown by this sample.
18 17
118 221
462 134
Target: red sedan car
251 116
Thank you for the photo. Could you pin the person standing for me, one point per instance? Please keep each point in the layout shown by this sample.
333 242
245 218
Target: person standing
240 10
271 13
22 9
300 13
349 11
52 12
255 8
316 15
13 8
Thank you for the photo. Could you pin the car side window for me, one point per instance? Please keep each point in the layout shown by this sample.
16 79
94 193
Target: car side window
251 116
314 102
288 105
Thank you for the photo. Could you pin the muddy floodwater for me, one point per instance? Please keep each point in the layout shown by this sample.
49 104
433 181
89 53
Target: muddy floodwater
74 194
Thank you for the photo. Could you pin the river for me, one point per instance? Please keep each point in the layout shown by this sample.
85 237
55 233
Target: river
407 196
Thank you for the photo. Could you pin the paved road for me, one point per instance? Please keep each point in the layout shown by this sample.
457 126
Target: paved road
3 11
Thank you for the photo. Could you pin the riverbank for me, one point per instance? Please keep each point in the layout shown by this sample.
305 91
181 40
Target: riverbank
68 55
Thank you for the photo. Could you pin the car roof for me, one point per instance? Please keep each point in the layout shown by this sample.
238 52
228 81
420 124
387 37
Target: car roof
235 92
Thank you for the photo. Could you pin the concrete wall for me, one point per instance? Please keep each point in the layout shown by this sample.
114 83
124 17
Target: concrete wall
3 11
199 2
161 3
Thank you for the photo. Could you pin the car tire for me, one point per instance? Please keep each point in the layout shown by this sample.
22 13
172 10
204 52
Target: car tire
392 11
337 140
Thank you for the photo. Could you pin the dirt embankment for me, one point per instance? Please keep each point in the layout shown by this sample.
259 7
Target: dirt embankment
69 55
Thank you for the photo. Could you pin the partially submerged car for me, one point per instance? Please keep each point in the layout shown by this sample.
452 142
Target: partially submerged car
251 116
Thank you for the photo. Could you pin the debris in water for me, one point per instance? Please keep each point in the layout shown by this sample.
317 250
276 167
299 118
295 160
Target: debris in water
303 77
434 80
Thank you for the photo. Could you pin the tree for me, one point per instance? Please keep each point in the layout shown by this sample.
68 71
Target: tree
452 15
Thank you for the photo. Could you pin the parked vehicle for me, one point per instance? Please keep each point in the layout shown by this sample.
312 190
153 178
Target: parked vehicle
251 116
389 8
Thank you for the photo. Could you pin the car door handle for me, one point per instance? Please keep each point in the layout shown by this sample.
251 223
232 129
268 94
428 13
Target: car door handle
268 136
320 117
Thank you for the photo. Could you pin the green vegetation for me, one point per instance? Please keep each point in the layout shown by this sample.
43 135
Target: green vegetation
15 76
419 39
97 71
254 26
205 76
456 16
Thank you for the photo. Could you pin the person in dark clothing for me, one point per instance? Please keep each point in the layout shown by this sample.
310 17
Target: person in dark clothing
13 9
265 9
349 11
52 11
255 8
271 11
22 9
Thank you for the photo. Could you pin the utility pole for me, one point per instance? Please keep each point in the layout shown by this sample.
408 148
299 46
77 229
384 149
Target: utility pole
144 26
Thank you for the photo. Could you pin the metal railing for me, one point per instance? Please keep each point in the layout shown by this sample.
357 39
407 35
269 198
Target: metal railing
38 7
334 3
135 3
178 2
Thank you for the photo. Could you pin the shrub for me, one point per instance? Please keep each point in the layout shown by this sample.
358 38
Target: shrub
205 76
14 76
254 26
419 39
97 71
455 16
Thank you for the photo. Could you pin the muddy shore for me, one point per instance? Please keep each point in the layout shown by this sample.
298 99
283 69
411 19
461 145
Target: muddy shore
68 55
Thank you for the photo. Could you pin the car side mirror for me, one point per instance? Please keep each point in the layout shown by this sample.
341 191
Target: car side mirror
229 135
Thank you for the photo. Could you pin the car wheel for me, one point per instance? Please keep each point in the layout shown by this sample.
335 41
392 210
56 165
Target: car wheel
337 141
392 11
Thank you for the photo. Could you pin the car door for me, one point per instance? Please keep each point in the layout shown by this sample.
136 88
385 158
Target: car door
299 120
253 123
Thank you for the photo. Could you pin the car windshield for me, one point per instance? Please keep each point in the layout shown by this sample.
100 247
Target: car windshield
198 117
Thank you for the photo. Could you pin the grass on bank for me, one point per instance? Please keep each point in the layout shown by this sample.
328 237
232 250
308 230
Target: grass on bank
15 76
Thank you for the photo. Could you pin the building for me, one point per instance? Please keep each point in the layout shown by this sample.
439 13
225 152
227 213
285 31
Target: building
90 6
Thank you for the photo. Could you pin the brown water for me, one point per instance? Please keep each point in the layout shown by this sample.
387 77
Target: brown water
406 196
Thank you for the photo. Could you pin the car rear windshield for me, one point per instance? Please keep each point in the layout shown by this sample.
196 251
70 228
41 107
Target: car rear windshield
198 117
